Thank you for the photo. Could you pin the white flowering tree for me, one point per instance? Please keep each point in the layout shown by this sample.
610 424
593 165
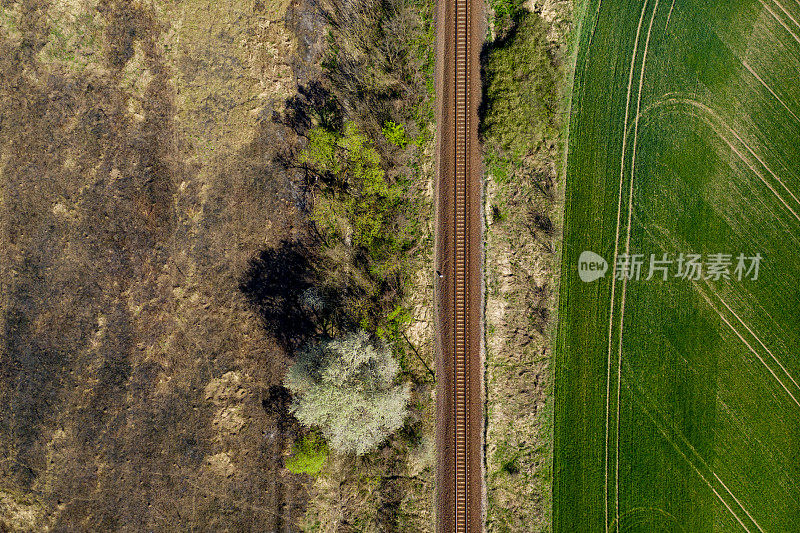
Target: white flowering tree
347 388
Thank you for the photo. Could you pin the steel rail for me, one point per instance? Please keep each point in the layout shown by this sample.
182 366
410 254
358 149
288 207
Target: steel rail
461 340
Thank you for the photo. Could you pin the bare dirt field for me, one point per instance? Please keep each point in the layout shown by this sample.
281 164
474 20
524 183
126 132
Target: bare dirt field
139 174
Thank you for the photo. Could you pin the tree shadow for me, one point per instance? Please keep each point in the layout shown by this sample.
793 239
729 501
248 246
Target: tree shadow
279 283
312 104
276 403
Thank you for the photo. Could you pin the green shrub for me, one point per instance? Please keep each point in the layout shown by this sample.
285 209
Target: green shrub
395 133
396 322
521 91
356 204
308 455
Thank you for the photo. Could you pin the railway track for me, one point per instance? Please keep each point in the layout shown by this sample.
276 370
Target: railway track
461 377
459 254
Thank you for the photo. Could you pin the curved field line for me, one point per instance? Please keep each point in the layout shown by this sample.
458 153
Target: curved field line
576 55
718 118
713 114
616 250
735 331
758 158
778 98
710 112
780 21
669 15
619 211
628 245
642 399
759 341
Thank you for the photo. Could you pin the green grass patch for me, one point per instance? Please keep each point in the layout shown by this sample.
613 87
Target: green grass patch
520 131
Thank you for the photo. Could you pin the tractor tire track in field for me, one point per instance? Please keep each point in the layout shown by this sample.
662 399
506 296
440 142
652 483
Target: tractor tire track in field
669 16
749 346
714 124
702 293
762 82
651 410
642 399
628 233
780 6
628 243
781 187
759 341
616 253
647 512
780 21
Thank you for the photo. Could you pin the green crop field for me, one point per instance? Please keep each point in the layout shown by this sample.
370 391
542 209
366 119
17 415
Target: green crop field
677 401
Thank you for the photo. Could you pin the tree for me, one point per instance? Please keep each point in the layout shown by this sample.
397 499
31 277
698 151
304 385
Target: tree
357 203
347 389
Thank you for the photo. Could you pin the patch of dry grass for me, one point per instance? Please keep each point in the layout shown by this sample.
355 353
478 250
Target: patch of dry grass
123 244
